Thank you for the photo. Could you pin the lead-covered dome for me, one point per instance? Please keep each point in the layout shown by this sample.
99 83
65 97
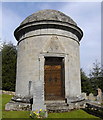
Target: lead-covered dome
46 19
48 14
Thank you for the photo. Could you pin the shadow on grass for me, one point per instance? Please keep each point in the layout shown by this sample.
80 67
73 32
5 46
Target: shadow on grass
94 112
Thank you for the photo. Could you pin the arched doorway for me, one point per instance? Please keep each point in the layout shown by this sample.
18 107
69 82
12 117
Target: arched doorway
54 78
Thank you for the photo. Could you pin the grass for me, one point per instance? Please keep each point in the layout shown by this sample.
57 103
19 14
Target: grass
0 106
25 114
12 114
72 114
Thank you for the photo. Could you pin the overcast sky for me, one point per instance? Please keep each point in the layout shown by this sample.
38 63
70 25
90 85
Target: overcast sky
87 15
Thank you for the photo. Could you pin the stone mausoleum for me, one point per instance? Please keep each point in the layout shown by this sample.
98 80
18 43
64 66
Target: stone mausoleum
48 60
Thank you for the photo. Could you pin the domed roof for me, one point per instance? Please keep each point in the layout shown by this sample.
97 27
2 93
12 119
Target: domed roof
48 14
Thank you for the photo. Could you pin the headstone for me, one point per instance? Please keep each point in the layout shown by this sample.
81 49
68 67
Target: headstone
38 98
99 96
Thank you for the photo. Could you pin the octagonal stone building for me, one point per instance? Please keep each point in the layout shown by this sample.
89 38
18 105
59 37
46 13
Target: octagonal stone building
48 61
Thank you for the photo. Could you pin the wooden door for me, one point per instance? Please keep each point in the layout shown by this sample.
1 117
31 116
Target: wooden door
54 88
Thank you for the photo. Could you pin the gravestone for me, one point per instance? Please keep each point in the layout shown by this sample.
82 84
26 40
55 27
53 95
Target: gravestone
99 96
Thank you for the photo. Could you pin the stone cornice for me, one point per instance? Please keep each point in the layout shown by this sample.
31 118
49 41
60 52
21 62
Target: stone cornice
22 29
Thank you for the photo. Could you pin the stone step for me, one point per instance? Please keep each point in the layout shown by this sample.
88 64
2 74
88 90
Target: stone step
56 104
64 107
60 106
54 101
57 107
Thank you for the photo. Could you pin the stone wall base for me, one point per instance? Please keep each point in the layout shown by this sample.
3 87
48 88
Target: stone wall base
64 107
17 106
51 107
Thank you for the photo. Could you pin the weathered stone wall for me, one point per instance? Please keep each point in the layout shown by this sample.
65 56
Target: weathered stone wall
46 33
48 42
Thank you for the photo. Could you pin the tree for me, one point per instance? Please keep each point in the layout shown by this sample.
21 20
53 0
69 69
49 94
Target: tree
96 70
96 77
102 71
85 83
9 56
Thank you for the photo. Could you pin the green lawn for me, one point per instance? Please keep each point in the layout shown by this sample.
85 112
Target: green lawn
12 114
25 114
72 114
0 106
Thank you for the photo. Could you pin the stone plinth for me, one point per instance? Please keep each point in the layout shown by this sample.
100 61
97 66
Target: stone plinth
18 106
